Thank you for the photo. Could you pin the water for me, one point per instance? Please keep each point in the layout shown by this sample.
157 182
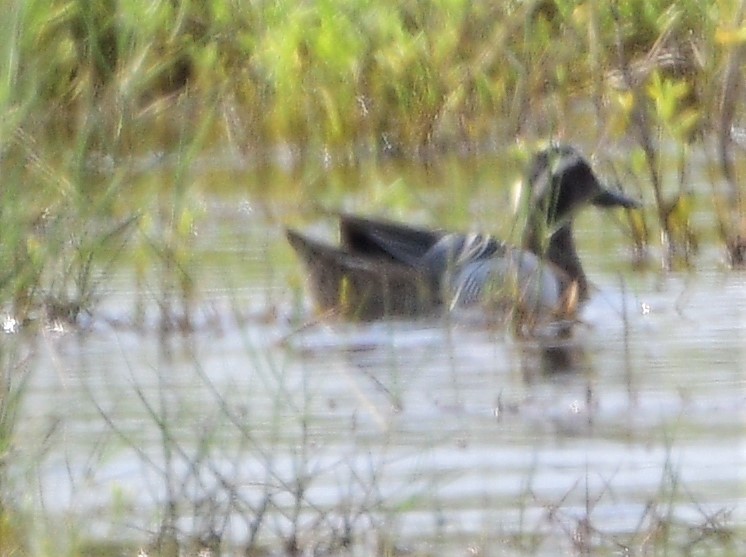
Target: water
438 436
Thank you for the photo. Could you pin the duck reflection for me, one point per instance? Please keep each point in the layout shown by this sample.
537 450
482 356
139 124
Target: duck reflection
565 368
549 357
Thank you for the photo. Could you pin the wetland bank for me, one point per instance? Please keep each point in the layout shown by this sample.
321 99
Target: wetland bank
167 387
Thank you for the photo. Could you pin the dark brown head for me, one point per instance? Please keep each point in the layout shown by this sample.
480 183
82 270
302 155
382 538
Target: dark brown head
560 183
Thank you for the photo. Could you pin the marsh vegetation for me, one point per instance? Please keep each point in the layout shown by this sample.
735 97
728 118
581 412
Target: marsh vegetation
154 323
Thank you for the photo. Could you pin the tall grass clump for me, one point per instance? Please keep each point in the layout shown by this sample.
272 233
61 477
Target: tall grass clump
61 227
14 376
676 100
63 235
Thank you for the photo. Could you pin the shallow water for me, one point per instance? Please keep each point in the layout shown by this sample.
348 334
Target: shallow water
444 435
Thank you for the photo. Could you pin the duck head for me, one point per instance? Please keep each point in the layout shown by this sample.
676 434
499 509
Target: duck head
561 182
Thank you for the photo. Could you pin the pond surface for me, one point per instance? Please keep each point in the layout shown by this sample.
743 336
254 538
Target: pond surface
440 437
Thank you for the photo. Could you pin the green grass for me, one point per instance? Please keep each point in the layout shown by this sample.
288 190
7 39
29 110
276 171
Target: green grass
345 73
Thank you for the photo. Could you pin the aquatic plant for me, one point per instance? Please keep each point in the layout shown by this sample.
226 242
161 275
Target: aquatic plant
14 377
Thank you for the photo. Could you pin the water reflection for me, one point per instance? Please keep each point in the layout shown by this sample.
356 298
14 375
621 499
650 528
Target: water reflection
544 358
422 400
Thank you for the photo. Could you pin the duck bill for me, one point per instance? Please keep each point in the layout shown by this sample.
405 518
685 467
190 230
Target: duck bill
608 198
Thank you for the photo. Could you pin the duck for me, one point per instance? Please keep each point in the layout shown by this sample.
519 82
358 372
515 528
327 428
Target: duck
383 268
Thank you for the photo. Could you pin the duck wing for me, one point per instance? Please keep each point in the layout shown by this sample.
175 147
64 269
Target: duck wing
386 240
